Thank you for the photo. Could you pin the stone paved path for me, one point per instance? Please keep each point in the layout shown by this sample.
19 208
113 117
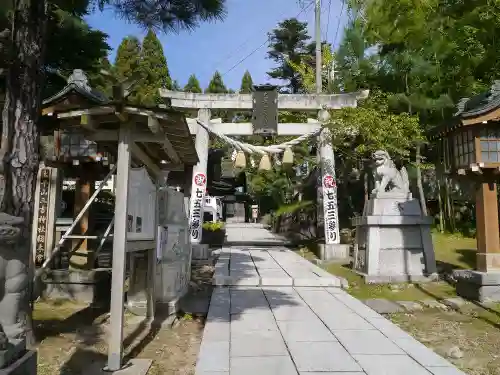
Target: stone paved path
275 313
251 234
306 331
269 266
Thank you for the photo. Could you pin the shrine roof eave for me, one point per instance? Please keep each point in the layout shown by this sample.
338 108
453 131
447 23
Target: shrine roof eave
478 109
161 126
93 96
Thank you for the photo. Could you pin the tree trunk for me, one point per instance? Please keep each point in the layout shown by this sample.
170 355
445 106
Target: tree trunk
450 209
419 182
440 201
20 138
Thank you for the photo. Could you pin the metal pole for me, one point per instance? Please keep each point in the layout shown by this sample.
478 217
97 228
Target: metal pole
318 46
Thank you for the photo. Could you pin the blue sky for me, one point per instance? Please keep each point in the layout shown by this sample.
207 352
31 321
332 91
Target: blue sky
221 46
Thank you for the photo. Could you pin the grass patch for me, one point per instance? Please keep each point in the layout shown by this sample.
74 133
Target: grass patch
474 330
452 252
393 292
55 310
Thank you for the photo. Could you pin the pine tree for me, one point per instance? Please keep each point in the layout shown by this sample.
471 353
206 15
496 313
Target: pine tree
216 85
193 85
127 62
127 57
246 83
99 81
176 86
288 42
154 71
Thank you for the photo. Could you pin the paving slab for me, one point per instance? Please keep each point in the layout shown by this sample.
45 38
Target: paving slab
277 365
390 365
445 371
308 331
322 356
383 306
366 342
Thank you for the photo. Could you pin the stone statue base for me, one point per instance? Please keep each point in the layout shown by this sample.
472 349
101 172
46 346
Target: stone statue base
25 365
477 285
92 286
394 242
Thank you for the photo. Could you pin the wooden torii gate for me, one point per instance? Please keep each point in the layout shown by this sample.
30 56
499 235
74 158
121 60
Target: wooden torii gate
205 103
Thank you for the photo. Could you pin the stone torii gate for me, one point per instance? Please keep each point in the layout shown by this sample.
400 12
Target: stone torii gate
205 103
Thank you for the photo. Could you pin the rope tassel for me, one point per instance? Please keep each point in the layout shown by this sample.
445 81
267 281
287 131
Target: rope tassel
288 156
240 160
265 163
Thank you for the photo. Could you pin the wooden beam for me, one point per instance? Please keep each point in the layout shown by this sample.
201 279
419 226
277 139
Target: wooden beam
173 167
155 126
92 111
308 102
246 128
144 158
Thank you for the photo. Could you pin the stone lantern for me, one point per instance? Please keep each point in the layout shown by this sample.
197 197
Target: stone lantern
470 148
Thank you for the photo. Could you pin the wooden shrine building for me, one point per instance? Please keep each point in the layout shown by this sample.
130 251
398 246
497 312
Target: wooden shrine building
95 138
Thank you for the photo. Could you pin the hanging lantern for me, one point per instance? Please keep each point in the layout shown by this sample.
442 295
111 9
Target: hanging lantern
240 160
265 163
288 157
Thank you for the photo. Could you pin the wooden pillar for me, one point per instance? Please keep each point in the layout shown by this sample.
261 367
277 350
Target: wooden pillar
83 258
488 243
115 343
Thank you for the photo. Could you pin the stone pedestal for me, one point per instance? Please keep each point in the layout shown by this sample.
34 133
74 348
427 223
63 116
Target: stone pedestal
201 252
394 242
477 285
83 286
334 252
25 365
483 284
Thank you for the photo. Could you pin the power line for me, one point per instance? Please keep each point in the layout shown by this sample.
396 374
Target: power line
265 42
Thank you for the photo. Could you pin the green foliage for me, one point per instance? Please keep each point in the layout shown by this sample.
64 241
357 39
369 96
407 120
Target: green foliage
153 70
99 81
216 85
71 43
358 132
176 86
293 208
193 85
167 15
288 43
307 71
213 226
246 83
128 57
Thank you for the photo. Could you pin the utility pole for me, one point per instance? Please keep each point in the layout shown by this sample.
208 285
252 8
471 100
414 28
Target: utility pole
318 46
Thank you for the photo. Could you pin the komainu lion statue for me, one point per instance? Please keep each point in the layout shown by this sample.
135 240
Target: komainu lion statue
387 177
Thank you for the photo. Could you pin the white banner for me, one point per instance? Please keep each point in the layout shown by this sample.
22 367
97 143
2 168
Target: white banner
198 188
330 210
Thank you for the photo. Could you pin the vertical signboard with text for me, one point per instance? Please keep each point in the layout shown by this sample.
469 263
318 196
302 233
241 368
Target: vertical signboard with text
330 210
198 188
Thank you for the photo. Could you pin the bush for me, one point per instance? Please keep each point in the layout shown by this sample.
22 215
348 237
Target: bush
213 226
